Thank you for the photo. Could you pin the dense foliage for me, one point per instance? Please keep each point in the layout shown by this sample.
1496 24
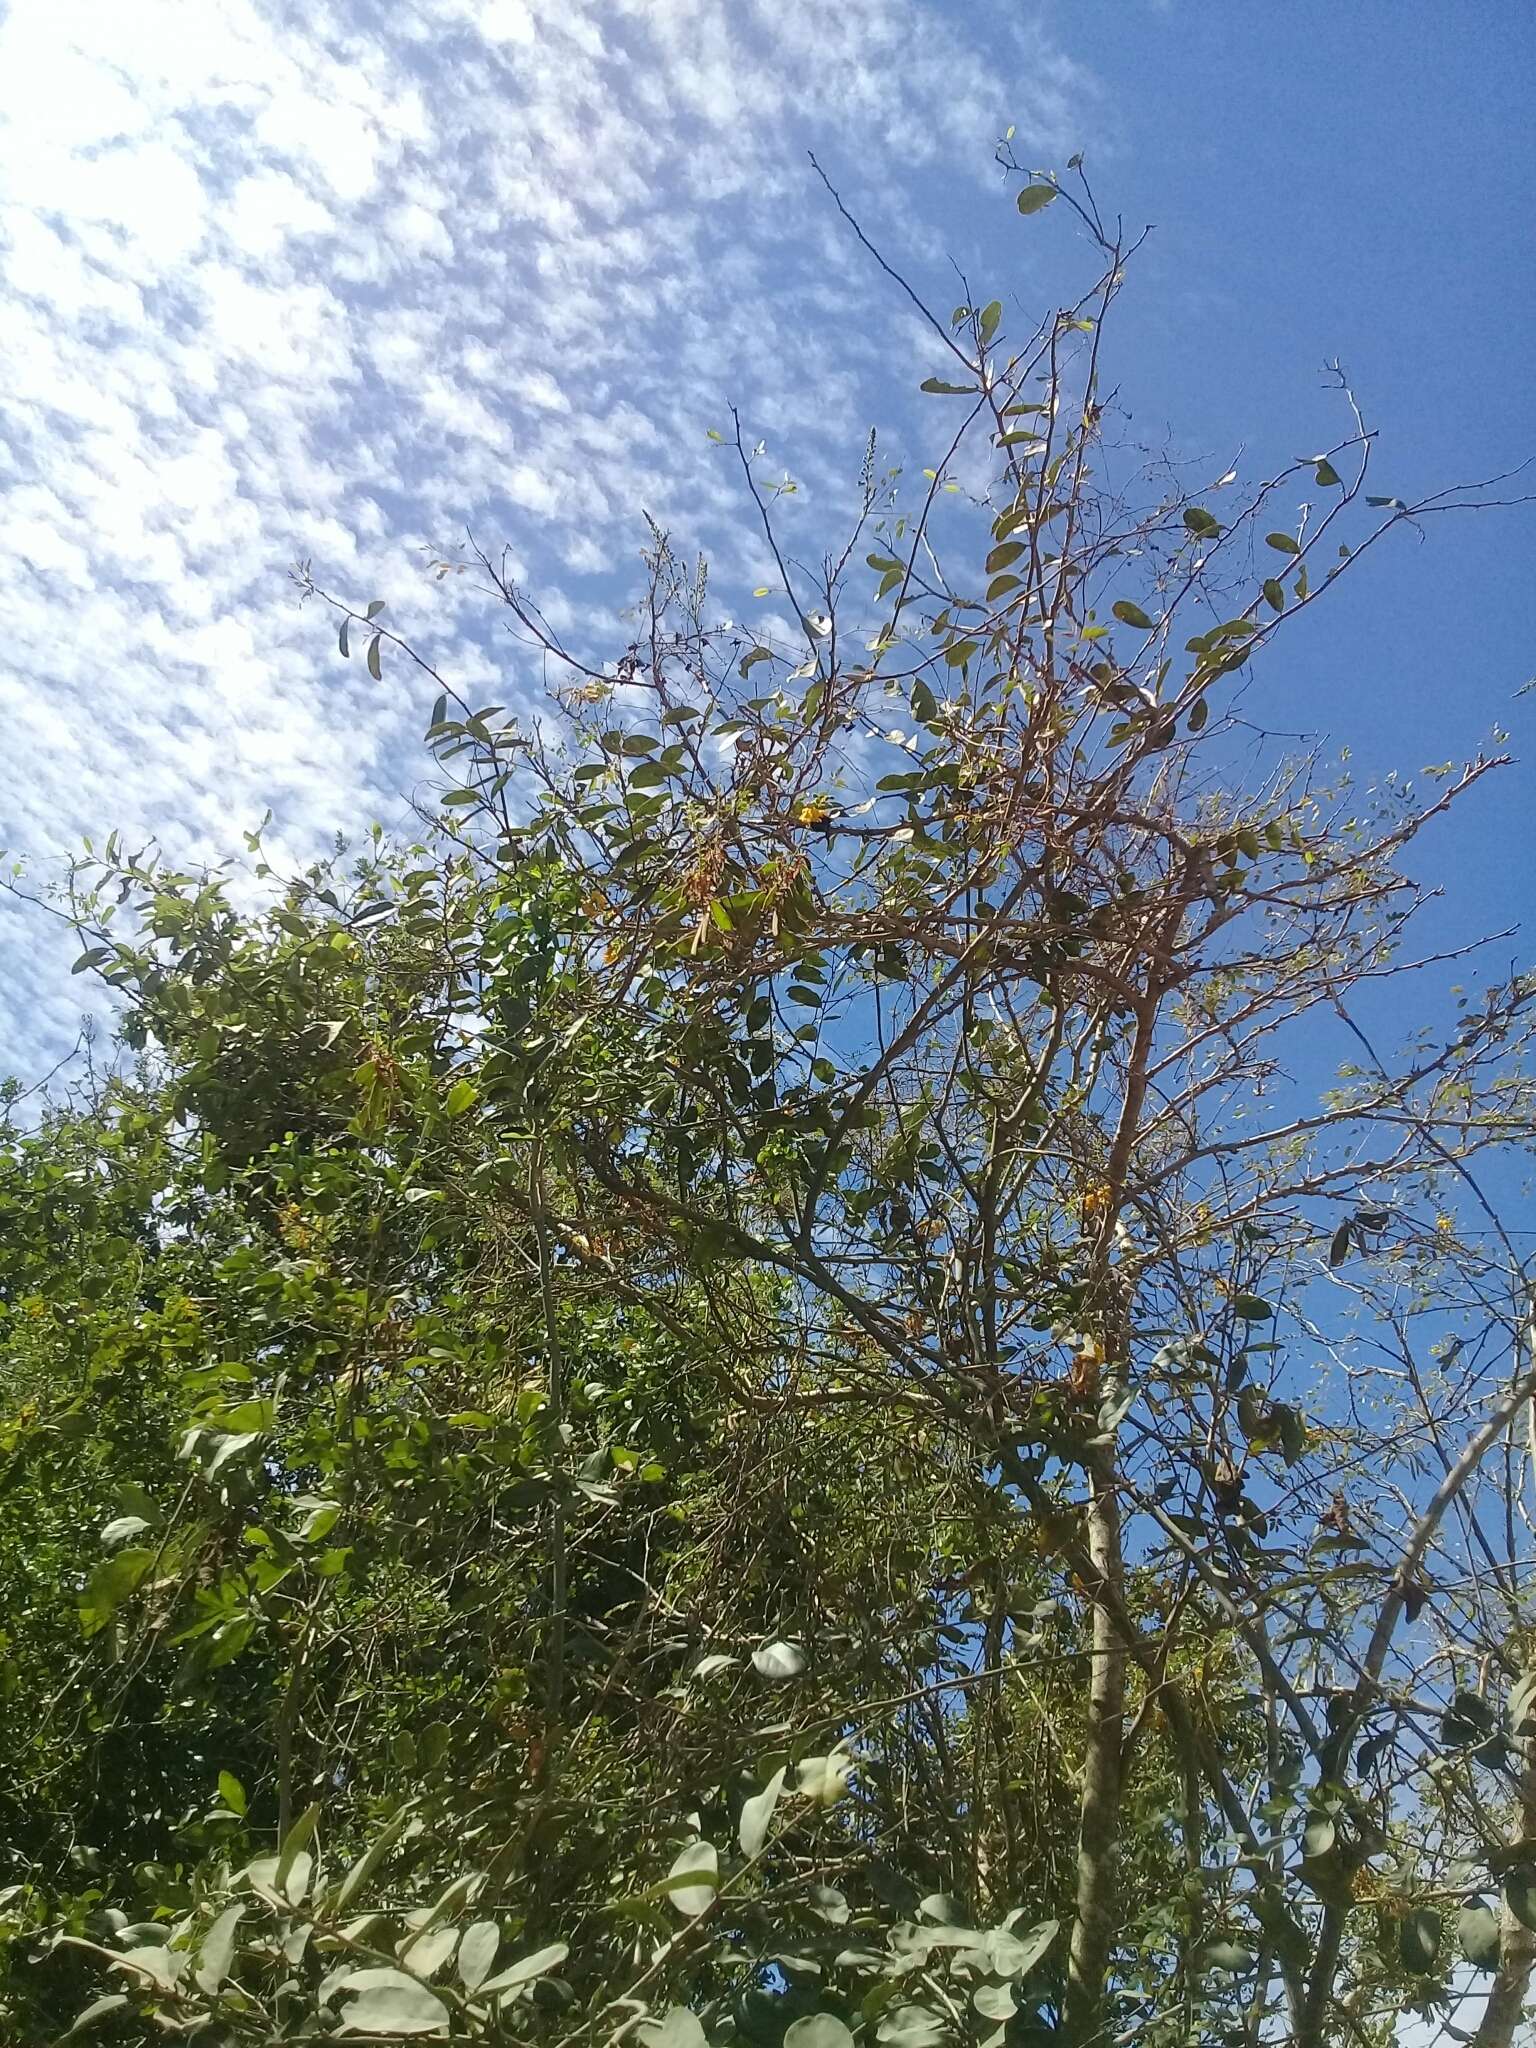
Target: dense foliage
745 1396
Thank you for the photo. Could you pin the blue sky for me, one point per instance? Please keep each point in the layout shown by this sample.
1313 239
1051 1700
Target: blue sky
336 280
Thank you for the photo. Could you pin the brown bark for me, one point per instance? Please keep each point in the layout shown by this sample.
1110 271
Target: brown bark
1098 1845
1505 2009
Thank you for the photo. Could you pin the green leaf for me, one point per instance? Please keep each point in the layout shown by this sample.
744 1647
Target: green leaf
1201 522
943 390
1283 543
109 1585
1343 1237
1477 1934
295 1842
1015 1955
524 1971
698 1861
1520 1895
779 1660
1231 1956
1468 1719
1035 197
1253 1308
717 1661
1200 711
477 1953
343 641
374 668
677 2027
823 1779
1004 556
1293 1431
217 1949
373 608
232 1792
1132 615
98 2009
818 2030
389 2002
1418 1940
991 316
1274 594
426 1953
756 1813
995 2002
1319 1836
1326 474
461 1096
911 2026
372 1857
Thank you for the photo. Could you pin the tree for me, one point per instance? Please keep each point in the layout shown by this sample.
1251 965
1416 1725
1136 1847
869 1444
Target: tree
738 1311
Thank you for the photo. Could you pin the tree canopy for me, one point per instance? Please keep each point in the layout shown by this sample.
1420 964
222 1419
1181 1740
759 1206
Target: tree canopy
831 1368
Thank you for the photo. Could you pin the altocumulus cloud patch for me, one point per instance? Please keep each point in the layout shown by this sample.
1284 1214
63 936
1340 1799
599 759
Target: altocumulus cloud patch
336 282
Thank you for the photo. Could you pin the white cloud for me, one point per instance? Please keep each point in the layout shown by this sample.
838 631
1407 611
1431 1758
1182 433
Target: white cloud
335 283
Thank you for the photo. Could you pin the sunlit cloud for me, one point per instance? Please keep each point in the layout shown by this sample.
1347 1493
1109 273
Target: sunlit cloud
324 283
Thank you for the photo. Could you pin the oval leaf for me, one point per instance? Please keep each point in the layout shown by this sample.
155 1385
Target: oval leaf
1418 1940
1520 1896
698 1859
477 1953
1015 1955
217 1951
525 1971
824 1779
779 1660
708 1666
389 2002
1477 1932
818 2030
757 1813
677 2027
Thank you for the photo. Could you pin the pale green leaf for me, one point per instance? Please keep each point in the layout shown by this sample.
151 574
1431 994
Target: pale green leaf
389 2002
525 1970
698 1862
477 1953
217 1949
756 1813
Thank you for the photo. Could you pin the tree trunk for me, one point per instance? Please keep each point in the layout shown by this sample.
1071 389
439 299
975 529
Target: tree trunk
1506 2001
1517 1944
1098 1842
